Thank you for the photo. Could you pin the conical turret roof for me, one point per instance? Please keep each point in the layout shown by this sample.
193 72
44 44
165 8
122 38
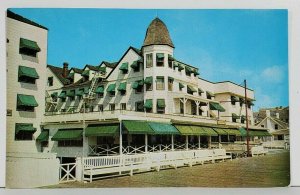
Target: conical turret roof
157 34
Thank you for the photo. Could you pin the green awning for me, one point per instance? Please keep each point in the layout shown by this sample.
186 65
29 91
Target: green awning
54 95
175 64
138 127
85 73
195 130
62 94
102 69
234 116
243 131
233 132
191 89
220 131
148 80
67 134
216 106
250 103
198 130
28 72
171 58
25 43
26 100
44 136
242 100
234 99
124 67
188 69
137 84
210 131
181 85
243 117
71 75
200 90
122 86
185 130
71 93
161 103
111 88
196 72
163 128
135 65
79 92
210 94
100 89
148 104
160 55
86 90
171 79
24 127
102 130
180 66
259 133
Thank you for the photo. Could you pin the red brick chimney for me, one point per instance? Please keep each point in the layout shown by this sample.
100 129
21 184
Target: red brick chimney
65 69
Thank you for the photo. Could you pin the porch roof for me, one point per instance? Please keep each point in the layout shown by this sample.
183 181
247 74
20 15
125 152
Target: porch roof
67 134
137 127
163 128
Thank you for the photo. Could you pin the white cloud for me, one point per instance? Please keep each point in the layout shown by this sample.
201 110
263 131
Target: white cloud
273 74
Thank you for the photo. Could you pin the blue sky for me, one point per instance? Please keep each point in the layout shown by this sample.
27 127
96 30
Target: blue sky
224 44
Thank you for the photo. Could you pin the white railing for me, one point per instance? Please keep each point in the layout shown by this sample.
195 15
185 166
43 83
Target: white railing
103 150
159 148
67 172
133 149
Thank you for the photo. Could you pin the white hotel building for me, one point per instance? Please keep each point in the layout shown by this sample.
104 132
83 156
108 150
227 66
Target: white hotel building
151 98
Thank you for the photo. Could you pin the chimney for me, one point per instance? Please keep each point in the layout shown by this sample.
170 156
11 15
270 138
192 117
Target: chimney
277 115
268 114
65 69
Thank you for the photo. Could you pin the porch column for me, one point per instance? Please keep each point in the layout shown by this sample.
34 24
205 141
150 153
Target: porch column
184 100
172 142
219 141
209 142
146 142
208 109
186 142
199 141
120 144
197 107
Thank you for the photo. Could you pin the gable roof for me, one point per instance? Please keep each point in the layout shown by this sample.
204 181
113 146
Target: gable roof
57 71
77 70
91 67
109 64
15 16
281 123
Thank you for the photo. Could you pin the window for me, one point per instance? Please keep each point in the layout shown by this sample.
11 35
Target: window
160 83
139 106
159 59
242 120
28 52
100 108
8 112
100 95
249 105
112 107
149 60
50 81
276 126
24 79
262 125
160 110
149 86
63 99
123 92
137 69
160 107
233 119
23 135
25 108
280 137
170 61
139 89
123 106
233 100
71 98
112 93
170 83
70 143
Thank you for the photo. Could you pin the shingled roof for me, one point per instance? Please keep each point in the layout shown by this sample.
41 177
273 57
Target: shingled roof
91 67
80 83
57 71
77 70
157 34
110 64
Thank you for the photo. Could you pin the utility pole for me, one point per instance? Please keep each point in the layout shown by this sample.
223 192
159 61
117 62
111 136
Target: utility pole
246 107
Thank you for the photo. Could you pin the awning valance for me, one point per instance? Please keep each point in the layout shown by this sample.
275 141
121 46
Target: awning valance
24 127
28 44
67 134
148 104
62 94
161 103
149 80
234 99
180 66
100 89
220 131
111 88
216 106
163 128
28 72
44 136
124 67
137 127
26 100
122 86
102 130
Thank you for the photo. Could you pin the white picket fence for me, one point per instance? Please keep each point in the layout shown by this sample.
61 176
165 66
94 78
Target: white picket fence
107 166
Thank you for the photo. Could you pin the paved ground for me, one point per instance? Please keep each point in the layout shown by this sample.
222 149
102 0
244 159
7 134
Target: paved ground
263 171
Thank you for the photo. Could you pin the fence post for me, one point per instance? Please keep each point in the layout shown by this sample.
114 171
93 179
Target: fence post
79 169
